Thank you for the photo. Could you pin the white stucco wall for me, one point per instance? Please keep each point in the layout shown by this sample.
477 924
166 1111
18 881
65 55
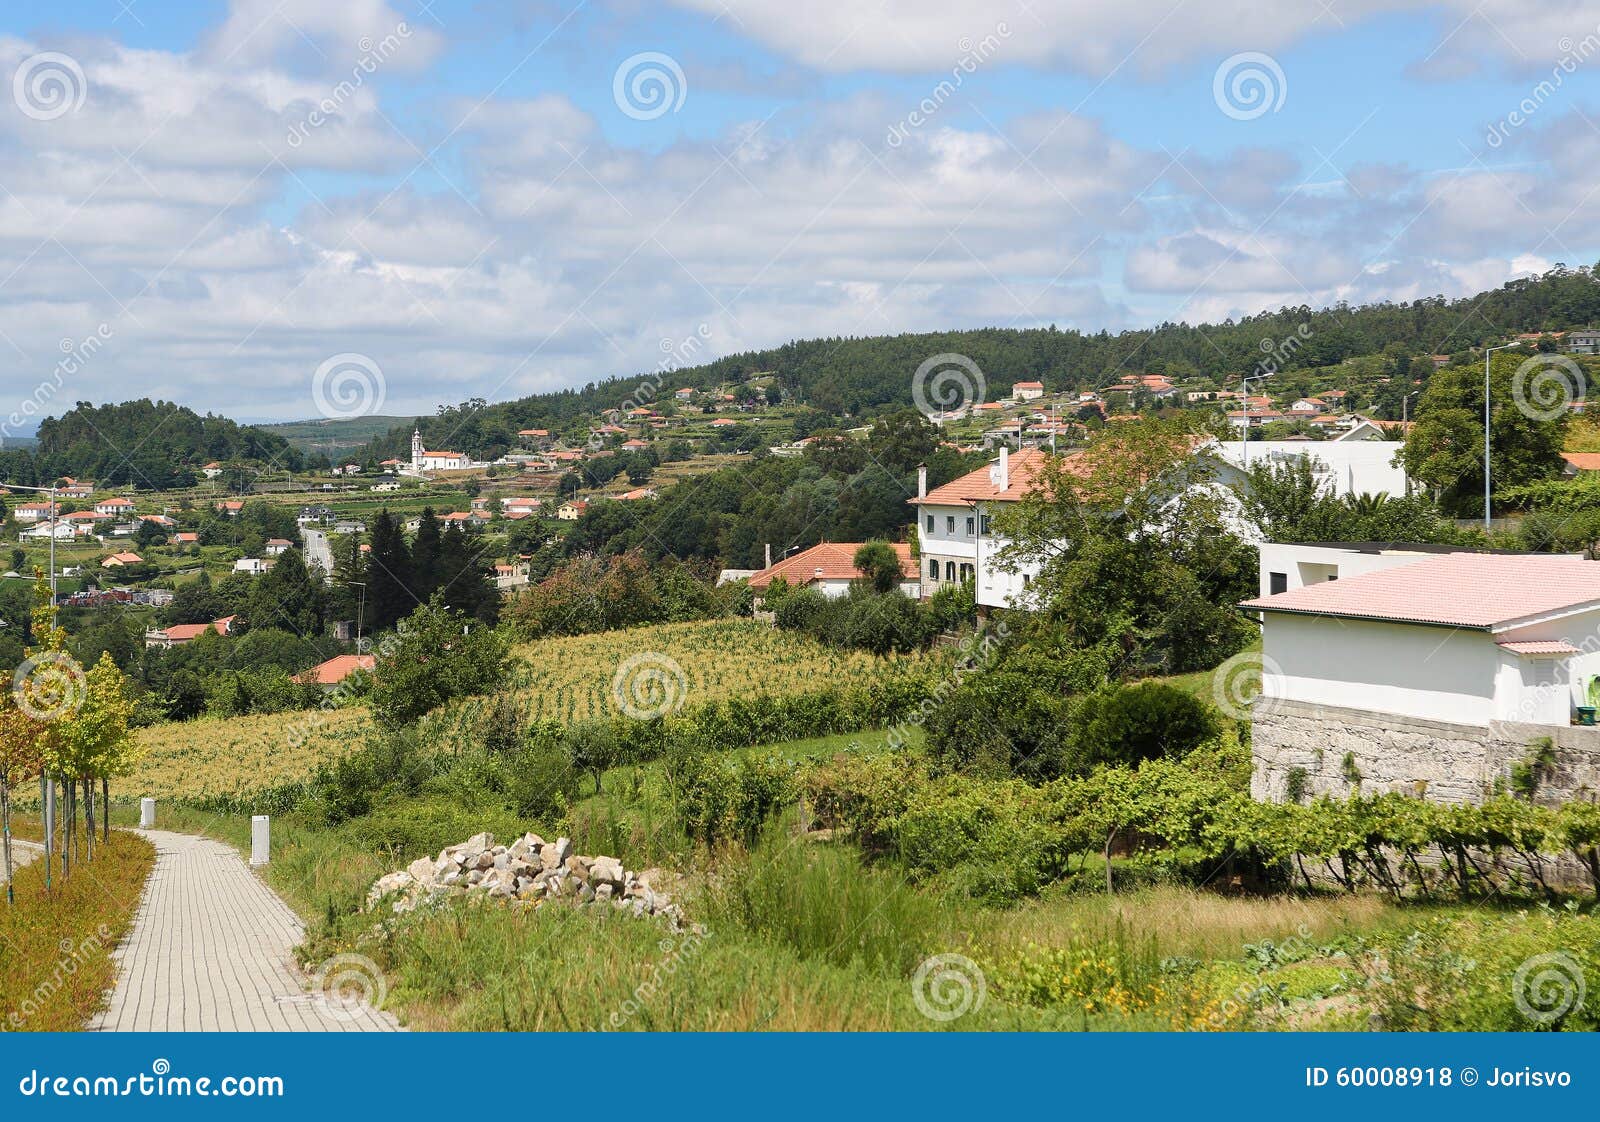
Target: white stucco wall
1313 564
1458 675
1346 466
1434 673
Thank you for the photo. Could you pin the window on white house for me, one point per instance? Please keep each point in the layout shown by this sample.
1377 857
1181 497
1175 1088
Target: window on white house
949 570
983 524
933 568
949 523
930 523
1277 582
969 525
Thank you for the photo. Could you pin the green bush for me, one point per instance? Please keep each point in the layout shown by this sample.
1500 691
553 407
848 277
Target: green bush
1130 724
998 724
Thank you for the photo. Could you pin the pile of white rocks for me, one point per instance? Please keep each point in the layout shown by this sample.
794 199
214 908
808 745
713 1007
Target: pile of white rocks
530 871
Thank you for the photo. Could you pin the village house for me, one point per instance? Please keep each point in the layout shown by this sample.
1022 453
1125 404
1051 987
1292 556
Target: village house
113 507
177 634
572 510
211 470
120 560
331 673
957 537
1027 391
509 576
276 547
254 566
830 569
424 460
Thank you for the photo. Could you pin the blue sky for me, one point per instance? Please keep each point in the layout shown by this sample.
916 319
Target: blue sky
483 214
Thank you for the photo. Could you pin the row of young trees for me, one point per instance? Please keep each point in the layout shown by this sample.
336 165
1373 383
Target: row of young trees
58 721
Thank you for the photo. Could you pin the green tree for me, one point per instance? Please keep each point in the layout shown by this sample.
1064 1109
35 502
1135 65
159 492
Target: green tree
1528 421
436 655
879 566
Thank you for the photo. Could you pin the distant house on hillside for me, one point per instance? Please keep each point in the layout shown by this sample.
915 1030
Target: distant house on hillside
120 560
177 634
331 673
1027 391
830 569
1583 342
572 510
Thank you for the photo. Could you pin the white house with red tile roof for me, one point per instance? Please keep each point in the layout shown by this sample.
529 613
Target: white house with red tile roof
1027 391
1463 638
956 535
112 507
829 567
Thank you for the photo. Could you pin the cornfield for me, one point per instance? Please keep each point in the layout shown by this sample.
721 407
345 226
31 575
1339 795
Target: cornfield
238 756
662 667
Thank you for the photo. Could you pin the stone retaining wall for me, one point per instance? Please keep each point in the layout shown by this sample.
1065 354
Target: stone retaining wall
1434 759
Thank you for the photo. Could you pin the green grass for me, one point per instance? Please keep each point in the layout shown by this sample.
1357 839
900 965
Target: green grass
55 945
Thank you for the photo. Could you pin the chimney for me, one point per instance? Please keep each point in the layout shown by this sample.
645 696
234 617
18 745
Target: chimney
768 565
1000 471
922 481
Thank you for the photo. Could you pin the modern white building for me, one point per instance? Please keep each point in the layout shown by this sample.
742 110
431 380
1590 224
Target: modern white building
1463 638
956 532
1287 566
1346 467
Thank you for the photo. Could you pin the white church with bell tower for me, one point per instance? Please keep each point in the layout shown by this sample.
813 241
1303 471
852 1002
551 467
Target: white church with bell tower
424 460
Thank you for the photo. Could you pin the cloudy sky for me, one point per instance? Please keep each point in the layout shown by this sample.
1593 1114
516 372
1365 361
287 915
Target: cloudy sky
489 198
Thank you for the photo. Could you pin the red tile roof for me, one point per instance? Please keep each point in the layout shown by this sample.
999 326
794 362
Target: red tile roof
1539 646
977 486
1486 591
1583 461
336 669
828 561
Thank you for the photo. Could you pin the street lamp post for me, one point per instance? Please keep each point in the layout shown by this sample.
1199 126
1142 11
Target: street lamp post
1488 486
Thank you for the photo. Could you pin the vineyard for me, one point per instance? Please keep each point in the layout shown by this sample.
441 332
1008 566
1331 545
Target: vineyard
667 665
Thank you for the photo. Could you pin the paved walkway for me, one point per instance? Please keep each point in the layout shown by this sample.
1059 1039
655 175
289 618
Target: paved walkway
210 950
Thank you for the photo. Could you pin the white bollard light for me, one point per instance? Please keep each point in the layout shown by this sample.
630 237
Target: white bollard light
147 814
260 839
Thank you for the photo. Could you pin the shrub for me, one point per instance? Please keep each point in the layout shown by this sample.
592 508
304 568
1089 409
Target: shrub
1146 721
998 724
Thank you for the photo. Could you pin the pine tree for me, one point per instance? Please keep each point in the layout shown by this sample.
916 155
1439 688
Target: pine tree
389 596
426 576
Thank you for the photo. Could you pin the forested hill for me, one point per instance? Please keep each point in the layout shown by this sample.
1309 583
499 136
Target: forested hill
861 376
144 443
